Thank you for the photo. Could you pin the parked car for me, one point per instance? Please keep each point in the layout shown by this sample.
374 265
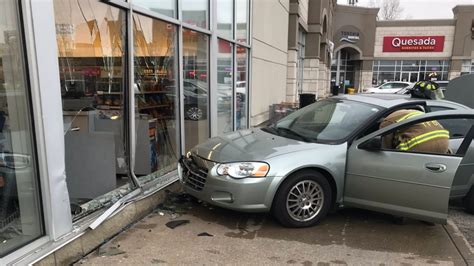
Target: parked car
389 87
329 154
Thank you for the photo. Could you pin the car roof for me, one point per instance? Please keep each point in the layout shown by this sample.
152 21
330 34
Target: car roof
391 100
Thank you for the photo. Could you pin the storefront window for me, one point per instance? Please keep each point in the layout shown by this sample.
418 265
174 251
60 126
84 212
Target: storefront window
242 19
195 87
156 101
467 67
224 87
90 37
408 70
196 12
241 90
20 206
225 18
165 7
301 56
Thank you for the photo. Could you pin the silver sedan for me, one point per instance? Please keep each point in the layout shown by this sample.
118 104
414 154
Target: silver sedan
329 155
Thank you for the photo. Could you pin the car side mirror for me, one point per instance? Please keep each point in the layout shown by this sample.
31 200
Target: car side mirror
374 144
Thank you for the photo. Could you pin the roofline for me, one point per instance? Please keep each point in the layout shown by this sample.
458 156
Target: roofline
416 22
357 9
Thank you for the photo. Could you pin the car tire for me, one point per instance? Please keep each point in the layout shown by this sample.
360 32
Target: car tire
193 112
469 201
302 200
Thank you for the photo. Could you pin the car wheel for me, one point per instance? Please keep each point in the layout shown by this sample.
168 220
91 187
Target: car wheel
194 113
469 201
302 200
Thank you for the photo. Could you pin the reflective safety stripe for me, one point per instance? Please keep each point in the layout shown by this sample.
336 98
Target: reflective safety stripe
442 134
412 114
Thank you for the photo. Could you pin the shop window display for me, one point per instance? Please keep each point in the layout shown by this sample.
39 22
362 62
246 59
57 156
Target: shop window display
156 97
91 44
20 212
195 87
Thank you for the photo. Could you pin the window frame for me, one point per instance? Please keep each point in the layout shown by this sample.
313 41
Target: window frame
424 118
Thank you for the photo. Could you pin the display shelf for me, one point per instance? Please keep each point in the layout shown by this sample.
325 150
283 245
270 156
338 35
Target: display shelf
153 92
153 106
112 107
108 107
136 93
108 93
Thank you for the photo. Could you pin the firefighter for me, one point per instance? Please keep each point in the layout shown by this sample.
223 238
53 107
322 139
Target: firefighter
429 136
427 89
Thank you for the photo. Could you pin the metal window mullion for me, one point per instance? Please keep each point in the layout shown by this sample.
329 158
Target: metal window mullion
117 3
234 20
178 7
234 64
213 46
196 28
249 58
42 70
234 81
132 138
226 39
181 128
243 44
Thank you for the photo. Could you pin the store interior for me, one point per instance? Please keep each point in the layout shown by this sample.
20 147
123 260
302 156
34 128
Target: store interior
91 44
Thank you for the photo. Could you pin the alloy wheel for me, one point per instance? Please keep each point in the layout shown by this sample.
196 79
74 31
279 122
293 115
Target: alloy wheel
305 200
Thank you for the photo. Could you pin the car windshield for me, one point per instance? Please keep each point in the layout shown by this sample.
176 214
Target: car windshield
326 121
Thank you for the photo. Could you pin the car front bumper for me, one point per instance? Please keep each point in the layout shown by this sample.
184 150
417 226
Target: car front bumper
247 194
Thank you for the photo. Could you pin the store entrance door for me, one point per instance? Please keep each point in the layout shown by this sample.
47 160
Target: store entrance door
409 76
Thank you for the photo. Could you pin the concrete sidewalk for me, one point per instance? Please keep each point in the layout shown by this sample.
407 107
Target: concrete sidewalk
351 236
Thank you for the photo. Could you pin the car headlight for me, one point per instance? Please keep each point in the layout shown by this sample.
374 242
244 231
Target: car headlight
243 169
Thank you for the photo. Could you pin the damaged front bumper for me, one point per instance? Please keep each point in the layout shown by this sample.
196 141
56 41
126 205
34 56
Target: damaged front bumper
201 180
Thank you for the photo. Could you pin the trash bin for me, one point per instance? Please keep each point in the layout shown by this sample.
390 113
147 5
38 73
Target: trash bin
350 90
307 99
335 90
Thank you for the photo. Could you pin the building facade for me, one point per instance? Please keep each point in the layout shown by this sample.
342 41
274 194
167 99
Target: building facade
310 48
369 52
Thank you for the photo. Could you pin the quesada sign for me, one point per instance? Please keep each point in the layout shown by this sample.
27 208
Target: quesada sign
413 43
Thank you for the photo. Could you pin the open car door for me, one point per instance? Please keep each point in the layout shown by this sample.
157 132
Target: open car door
403 183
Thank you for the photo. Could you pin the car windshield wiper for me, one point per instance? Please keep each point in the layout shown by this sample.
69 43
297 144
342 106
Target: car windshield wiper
291 131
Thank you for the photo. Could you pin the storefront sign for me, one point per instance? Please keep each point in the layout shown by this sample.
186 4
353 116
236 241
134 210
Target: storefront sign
349 36
413 44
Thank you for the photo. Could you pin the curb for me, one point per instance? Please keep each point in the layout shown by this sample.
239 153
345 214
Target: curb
461 243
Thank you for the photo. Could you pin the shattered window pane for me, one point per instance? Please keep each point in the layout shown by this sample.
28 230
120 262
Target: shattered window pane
91 44
20 206
156 97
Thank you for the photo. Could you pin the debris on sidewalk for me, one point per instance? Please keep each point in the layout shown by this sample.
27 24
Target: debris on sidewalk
205 234
109 252
174 224
175 205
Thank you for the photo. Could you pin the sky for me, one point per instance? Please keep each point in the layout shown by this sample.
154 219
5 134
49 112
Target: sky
422 9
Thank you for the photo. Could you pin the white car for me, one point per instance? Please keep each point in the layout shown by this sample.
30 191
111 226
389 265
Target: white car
389 87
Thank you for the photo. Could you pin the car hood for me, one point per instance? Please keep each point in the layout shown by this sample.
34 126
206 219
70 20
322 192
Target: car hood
249 145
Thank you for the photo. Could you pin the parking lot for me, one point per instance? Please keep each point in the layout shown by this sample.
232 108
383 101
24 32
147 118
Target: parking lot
351 236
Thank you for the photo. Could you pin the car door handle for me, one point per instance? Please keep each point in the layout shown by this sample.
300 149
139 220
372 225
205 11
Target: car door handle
436 167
